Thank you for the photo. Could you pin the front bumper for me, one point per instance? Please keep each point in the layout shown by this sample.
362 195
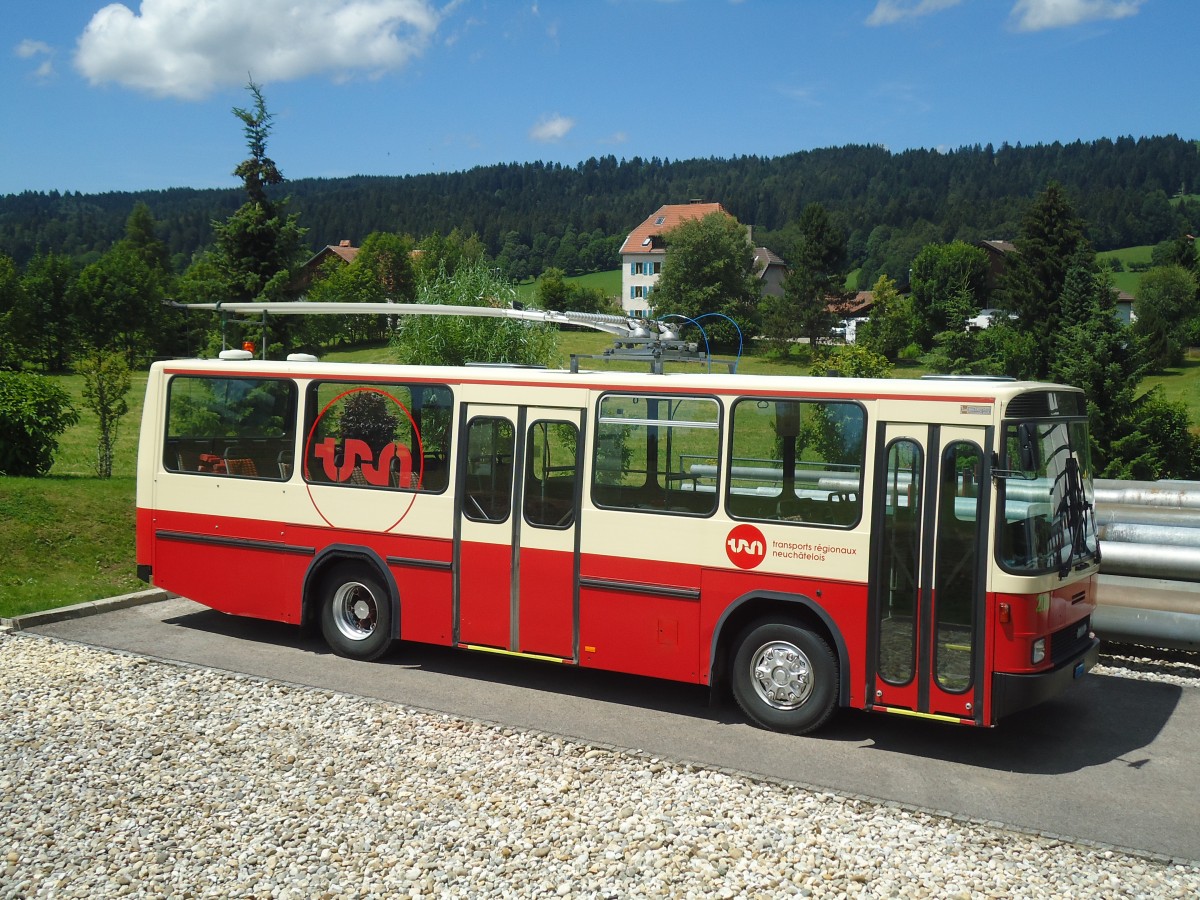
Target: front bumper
1011 693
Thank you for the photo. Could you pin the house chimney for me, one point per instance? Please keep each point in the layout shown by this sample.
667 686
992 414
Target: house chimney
343 243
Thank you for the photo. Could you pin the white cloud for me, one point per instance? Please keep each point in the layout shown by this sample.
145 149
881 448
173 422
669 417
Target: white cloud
29 49
551 128
189 48
1037 15
799 92
888 12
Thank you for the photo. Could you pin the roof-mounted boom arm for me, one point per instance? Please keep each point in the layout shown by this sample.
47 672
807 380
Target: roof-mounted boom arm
620 326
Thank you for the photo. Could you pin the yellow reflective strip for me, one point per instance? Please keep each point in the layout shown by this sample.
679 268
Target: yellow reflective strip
923 715
513 653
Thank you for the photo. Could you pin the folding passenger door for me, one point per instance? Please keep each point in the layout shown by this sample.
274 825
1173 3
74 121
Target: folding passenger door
928 567
516 529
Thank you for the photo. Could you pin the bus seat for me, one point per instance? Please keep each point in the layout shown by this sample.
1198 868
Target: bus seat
237 462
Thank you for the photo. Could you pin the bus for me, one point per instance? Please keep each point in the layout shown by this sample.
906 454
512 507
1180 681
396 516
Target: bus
923 547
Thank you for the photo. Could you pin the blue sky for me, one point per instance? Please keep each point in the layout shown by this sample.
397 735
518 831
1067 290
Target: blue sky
112 97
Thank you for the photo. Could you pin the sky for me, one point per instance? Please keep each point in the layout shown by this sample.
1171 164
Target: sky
99 97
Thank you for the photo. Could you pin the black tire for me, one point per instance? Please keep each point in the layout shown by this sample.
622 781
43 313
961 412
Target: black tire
784 677
356 612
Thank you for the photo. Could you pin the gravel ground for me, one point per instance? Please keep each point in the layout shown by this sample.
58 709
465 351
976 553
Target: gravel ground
124 776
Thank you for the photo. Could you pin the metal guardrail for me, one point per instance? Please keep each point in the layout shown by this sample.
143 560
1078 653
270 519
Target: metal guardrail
1149 589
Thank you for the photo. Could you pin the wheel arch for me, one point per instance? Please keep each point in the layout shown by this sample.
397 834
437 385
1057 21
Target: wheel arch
336 554
796 608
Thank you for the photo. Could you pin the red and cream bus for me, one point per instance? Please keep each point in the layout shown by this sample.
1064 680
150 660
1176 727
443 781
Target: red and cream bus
923 547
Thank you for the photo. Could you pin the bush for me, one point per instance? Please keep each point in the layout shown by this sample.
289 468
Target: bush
33 413
458 340
1154 441
851 361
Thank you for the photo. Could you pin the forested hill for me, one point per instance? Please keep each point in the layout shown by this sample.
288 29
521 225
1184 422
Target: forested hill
890 204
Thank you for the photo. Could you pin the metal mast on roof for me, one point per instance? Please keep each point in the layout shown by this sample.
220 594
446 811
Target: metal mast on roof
641 340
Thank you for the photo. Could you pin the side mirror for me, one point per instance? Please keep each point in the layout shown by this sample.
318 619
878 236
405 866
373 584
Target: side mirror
1027 440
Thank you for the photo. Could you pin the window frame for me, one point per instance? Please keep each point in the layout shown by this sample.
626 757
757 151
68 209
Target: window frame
211 463
668 397
315 408
860 504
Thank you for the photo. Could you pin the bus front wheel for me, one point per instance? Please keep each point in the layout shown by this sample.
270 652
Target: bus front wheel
784 677
356 613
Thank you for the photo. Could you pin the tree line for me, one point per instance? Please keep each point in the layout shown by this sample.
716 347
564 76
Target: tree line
533 216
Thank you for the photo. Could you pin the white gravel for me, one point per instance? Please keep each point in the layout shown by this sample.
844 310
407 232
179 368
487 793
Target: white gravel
1182 668
122 776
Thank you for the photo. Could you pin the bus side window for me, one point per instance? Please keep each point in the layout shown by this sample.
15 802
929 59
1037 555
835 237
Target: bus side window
229 425
550 474
487 496
378 436
796 461
657 454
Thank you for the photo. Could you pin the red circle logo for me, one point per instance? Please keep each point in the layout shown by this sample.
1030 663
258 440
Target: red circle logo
375 474
746 546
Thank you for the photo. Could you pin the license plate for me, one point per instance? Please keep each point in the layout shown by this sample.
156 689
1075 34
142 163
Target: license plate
1080 669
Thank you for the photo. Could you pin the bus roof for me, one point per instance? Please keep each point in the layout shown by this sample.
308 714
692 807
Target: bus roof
966 388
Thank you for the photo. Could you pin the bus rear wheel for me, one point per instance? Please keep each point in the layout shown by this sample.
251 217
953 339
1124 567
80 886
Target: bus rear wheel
356 613
784 677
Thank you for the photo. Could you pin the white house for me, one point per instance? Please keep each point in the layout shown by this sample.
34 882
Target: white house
645 249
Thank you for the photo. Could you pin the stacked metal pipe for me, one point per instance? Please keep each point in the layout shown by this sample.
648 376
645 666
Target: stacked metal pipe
1150 563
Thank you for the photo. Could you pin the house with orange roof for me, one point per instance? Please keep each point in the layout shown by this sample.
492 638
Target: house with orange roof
645 250
309 271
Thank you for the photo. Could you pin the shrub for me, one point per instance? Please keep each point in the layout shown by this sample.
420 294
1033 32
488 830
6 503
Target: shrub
458 340
33 413
852 361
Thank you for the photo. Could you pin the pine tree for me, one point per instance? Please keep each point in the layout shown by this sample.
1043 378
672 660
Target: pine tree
259 247
1050 239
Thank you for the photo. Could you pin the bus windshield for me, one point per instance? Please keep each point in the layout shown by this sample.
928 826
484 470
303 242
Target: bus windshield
1049 519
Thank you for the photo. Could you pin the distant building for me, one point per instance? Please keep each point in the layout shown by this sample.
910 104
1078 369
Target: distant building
309 271
645 250
1125 307
996 251
771 272
997 261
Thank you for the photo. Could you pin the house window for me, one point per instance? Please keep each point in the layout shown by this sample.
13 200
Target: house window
660 220
658 268
637 292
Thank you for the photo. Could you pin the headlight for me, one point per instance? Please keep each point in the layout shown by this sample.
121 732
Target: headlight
1039 651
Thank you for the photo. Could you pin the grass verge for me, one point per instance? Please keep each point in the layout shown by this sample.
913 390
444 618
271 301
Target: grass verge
65 540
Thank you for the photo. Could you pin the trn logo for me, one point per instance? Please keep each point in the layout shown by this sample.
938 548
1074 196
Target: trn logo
746 546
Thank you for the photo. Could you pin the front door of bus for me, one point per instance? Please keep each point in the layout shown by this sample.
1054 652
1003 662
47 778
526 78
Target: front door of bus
928 565
516 547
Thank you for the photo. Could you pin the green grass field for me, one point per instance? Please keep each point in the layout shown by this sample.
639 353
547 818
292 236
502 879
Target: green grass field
69 537
1128 281
608 282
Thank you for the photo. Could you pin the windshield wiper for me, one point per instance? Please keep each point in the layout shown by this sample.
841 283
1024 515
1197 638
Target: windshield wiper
1076 508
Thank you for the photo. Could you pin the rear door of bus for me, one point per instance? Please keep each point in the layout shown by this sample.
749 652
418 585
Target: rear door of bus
516 536
928 568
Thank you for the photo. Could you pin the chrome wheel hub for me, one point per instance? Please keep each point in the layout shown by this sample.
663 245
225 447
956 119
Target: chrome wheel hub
355 611
782 675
